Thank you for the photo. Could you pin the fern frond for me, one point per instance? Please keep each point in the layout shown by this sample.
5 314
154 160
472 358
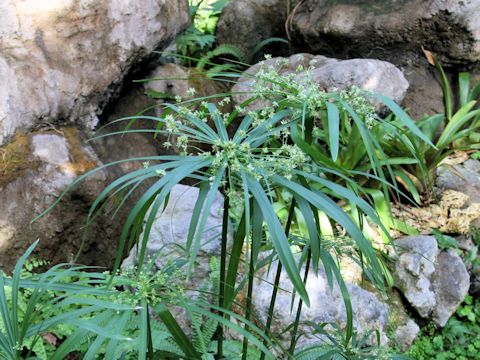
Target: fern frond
159 95
266 42
224 49
312 353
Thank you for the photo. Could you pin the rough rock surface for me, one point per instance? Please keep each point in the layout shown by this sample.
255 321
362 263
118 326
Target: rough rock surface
245 23
405 335
434 282
326 305
377 76
464 178
425 94
391 30
44 164
60 61
454 214
331 74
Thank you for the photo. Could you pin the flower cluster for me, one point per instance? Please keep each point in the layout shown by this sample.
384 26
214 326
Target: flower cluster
355 97
152 284
277 84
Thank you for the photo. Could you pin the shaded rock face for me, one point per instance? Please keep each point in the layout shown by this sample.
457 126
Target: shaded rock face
425 95
330 74
326 305
392 30
61 61
245 23
176 80
51 160
434 282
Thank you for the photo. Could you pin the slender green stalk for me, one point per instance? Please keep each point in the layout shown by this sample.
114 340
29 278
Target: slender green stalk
248 308
223 267
293 341
277 278
149 336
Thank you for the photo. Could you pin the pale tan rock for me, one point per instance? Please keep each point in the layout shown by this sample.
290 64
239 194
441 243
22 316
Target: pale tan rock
62 60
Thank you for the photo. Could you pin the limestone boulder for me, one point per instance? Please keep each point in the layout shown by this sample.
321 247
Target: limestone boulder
326 306
62 61
170 229
372 75
167 244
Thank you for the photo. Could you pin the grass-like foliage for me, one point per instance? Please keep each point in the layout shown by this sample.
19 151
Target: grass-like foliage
73 310
456 129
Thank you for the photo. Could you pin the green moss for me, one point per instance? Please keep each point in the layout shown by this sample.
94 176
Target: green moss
15 159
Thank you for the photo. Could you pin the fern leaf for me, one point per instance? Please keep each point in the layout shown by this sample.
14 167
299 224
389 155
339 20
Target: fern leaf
158 95
224 49
267 42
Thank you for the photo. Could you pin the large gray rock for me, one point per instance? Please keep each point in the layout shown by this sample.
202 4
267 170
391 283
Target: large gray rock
434 282
330 74
284 66
61 61
372 75
326 306
391 30
451 282
463 177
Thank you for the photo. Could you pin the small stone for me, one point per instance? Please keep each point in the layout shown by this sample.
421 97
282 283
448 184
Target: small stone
451 283
434 282
405 335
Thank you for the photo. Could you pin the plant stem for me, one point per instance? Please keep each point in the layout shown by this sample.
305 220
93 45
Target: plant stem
277 280
299 309
149 338
223 262
248 309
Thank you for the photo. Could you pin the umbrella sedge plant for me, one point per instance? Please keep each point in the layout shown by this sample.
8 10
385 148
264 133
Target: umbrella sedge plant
252 156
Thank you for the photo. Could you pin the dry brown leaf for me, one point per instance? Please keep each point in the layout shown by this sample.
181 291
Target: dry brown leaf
429 56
